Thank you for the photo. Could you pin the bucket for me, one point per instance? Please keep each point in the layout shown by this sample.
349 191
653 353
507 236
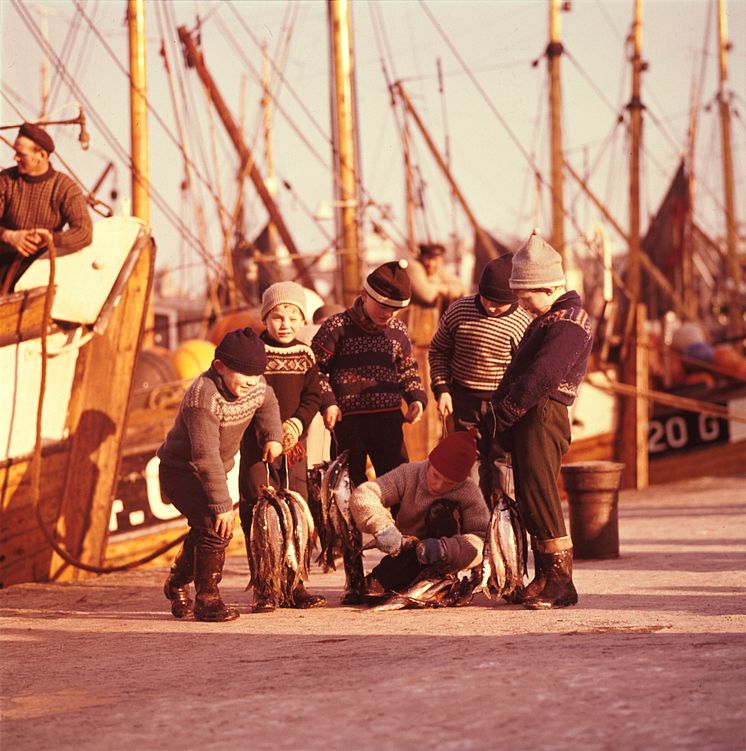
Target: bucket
593 496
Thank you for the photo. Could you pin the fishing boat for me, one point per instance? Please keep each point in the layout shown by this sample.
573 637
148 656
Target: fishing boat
70 335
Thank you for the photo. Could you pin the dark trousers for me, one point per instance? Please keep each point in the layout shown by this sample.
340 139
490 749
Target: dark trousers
396 573
253 473
184 490
493 462
540 439
378 435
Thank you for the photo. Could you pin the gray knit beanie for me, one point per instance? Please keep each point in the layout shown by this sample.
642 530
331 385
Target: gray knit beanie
278 293
537 265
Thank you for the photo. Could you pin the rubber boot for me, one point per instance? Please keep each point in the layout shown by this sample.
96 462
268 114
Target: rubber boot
303 599
559 590
536 585
262 603
208 573
176 586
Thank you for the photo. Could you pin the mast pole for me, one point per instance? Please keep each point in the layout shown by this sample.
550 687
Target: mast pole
554 52
268 151
139 110
248 165
485 239
632 428
735 320
409 189
347 209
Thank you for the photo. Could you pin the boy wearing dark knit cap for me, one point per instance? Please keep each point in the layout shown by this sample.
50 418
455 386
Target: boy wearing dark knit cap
194 461
292 373
530 412
367 367
453 541
468 355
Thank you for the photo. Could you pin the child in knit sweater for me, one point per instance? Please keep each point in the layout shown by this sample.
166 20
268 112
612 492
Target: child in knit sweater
468 355
196 456
418 487
367 367
530 412
292 373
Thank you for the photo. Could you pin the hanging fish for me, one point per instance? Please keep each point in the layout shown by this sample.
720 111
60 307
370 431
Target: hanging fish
267 549
504 557
337 532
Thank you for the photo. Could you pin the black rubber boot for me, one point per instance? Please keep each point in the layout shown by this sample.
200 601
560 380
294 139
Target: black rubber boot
176 586
558 591
303 599
208 573
262 603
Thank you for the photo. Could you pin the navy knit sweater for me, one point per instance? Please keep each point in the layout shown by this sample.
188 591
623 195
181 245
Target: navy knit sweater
364 368
551 361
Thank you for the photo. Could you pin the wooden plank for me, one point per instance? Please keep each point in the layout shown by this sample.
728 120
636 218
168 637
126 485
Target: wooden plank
21 315
96 419
718 460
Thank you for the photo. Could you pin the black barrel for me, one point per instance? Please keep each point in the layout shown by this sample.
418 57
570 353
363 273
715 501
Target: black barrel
593 496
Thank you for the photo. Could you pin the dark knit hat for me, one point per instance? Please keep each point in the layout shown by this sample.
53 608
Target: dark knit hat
389 284
290 293
431 250
455 455
537 265
494 284
38 135
243 351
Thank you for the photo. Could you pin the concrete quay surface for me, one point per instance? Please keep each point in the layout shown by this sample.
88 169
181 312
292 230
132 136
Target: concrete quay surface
653 656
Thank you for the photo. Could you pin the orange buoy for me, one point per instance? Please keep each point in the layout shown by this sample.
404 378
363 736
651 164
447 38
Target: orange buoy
193 357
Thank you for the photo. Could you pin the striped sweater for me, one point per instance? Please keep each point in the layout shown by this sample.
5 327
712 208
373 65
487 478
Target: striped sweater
473 349
49 201
208 429
365 369
551 361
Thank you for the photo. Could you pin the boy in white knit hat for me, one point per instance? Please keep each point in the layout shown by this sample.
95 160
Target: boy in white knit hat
530 412
292 373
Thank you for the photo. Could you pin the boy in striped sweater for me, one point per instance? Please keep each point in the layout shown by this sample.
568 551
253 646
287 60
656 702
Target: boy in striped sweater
367 367
468 355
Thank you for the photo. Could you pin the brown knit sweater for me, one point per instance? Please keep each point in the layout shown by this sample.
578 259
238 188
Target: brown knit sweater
407 485
49 201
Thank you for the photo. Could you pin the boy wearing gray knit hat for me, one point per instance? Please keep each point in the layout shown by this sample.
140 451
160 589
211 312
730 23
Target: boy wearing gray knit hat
530 412
292 373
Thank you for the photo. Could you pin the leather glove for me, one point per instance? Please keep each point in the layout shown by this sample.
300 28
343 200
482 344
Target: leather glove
429 550
389 540
291 430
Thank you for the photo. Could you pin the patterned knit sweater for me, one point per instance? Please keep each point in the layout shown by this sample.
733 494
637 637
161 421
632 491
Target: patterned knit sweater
48 201
473 349
407 484
363 368
208 429
293 375
551 361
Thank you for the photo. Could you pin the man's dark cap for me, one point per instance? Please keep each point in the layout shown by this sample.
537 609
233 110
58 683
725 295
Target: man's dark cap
38 135
431 250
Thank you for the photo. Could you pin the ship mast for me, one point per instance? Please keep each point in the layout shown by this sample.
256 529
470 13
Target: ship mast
343 105
735 320
139 111
632 427
553 53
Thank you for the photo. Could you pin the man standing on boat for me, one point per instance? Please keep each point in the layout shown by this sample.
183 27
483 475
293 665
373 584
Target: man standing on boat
36 204
432 284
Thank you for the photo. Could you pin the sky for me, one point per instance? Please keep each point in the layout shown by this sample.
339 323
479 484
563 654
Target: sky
490 115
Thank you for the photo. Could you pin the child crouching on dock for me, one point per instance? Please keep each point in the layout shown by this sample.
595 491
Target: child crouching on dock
197 454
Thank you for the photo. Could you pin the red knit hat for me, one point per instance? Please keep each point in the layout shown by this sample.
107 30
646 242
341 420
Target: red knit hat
455 455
